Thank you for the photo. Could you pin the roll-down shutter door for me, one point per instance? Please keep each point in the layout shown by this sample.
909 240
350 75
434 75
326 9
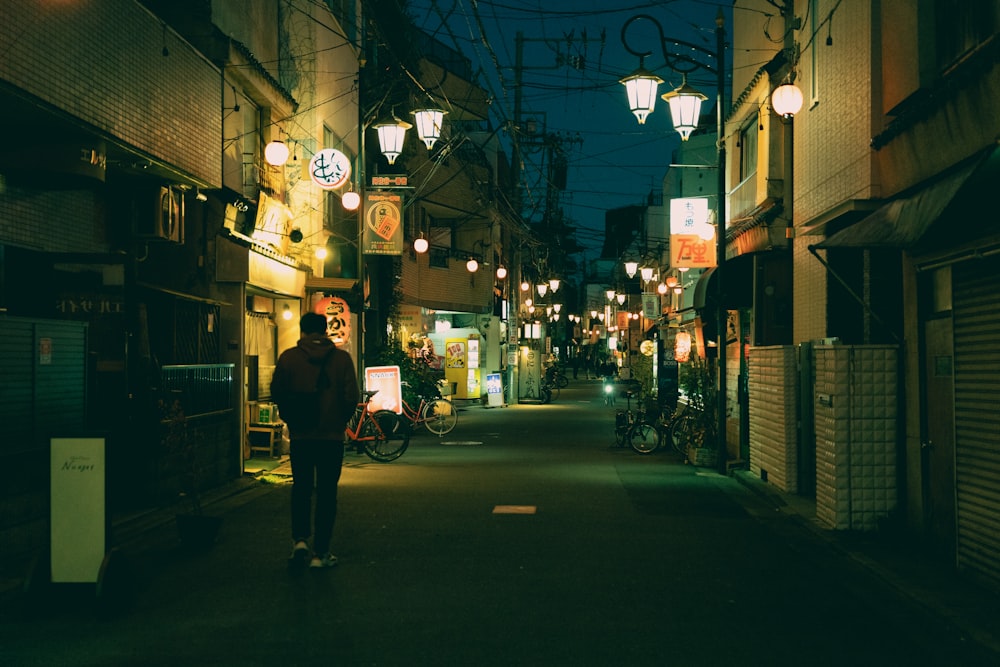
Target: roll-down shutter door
977 416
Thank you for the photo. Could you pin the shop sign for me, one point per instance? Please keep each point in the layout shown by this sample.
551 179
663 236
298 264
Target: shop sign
338 319
650 305
383 229
272 224
330 169
386 380
692 236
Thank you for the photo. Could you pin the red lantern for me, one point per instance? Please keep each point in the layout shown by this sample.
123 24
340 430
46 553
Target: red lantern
682 347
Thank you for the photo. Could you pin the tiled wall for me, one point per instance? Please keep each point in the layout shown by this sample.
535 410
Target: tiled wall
855 404
773 397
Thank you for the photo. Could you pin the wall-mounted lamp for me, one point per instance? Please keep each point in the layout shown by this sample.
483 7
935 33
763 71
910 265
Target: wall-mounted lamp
276 153
786 100
472 265
321 252
351 200
501 272
286 313
199 195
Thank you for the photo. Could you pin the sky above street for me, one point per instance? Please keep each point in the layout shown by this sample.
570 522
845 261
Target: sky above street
573 58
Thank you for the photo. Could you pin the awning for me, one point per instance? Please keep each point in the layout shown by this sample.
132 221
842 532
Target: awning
904 221
738 285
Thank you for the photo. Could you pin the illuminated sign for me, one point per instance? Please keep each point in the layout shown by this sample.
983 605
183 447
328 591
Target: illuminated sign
692 236
383 230
386 380
329 168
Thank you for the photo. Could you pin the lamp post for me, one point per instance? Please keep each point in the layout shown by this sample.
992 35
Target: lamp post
685 105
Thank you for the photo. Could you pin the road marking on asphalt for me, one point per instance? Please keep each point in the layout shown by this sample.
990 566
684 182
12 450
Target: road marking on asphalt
515 509
462 443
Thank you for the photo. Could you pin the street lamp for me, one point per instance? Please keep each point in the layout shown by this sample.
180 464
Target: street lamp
391 133
685 103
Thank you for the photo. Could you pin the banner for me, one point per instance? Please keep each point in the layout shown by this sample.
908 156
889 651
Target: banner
650 305
386 380
692 236
383 230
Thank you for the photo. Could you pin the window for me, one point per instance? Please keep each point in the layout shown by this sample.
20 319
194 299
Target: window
961 26
814 25
748 149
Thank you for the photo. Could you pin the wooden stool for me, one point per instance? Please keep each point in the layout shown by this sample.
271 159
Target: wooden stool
273 431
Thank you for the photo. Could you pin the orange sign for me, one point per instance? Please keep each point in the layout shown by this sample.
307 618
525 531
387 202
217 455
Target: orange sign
338 319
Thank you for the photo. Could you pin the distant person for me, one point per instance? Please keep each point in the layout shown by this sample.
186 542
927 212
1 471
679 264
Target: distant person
316 389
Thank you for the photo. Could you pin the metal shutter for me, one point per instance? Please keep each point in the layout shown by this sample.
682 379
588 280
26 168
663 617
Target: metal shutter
977 416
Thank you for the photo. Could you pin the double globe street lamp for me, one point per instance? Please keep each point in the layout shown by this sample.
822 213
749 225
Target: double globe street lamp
685 110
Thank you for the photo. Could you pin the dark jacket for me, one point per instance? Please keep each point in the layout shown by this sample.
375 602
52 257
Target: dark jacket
297 371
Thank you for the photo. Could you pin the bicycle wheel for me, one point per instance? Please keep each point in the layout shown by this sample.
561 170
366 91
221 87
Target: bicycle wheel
562 381
680 433
644 438
554 391
440 416
621 427
388 437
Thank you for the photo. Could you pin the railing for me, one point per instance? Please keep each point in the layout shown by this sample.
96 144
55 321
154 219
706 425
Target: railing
743 197
202 388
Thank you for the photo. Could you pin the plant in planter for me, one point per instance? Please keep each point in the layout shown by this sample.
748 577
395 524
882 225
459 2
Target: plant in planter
697 384
642 372
180 442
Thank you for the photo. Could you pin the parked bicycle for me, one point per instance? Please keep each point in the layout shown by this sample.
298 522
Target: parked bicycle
438 415
634 429
548 390
381 434
686 427
554 375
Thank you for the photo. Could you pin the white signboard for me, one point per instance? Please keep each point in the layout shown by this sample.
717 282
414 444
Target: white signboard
78 516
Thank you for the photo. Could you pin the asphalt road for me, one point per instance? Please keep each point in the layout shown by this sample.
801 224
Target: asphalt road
521 538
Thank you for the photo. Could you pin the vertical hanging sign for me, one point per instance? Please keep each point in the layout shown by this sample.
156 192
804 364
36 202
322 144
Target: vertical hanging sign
383 224
692 237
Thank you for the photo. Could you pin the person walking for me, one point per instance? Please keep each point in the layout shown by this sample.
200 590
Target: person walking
316 389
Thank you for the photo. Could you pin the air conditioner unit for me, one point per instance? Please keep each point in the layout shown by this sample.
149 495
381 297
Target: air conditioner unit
158 213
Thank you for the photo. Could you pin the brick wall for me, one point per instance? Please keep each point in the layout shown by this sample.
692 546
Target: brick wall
773 393
103 63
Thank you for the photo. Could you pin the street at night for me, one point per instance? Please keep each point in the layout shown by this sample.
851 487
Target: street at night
520 538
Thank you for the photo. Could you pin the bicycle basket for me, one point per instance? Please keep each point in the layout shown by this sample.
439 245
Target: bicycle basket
621 419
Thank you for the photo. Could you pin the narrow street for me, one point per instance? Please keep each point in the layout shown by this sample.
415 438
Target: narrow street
521 538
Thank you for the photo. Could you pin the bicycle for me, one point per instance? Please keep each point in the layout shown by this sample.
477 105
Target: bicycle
548 390
633 429
685 428
438 415
381 434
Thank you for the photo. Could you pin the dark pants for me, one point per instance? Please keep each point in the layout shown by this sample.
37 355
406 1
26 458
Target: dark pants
315 464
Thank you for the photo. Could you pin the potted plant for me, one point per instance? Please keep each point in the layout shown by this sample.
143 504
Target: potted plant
180 439
697 384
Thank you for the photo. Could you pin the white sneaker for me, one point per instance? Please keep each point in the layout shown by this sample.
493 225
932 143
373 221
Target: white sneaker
326 560
300 553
